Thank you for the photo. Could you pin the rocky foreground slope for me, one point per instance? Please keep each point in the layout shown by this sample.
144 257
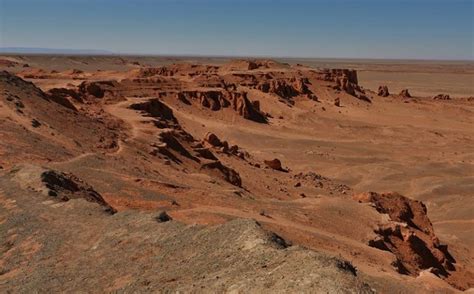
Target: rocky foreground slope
132 251
193 177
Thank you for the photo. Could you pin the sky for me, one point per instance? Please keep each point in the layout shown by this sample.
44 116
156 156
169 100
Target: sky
396 29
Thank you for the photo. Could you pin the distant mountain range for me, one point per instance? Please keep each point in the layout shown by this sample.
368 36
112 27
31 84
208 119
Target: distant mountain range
30 50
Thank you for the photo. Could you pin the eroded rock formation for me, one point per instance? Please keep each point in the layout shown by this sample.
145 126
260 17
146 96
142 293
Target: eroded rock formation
274 164
219 99
409 236
65 186
346 80
383 91
97 89
227 173
442 97
404 93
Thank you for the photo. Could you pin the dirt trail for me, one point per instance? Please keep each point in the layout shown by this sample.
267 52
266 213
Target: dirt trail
77 158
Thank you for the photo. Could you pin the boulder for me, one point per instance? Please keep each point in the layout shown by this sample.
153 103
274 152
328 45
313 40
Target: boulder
279 87
35 123
405 93
97 89
163 217
442 97
274 164
228 174
162 113
409 235
64 96
383 91
212 140
205 153
66 186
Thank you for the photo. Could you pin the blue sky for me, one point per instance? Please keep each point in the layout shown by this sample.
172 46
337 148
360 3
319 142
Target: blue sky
422 29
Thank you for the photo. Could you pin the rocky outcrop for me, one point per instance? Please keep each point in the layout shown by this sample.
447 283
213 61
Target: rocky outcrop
183 69
228 174
62 186
219 99
343 83
153 71
64 97
205 153
210 81
409 235
67 93
212 99
176 145
65 186
175 142
404 93
249 64
244 65
274 164
301 85
92 89
346 80
349 74
280 88
212 141
319 181
285 88
163 217
246 109
97 89
383 91
442 97
161 112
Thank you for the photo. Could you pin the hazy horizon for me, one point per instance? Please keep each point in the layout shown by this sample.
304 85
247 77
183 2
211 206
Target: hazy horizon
367 29
98 52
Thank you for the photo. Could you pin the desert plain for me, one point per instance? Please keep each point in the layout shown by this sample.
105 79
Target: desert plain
216 174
